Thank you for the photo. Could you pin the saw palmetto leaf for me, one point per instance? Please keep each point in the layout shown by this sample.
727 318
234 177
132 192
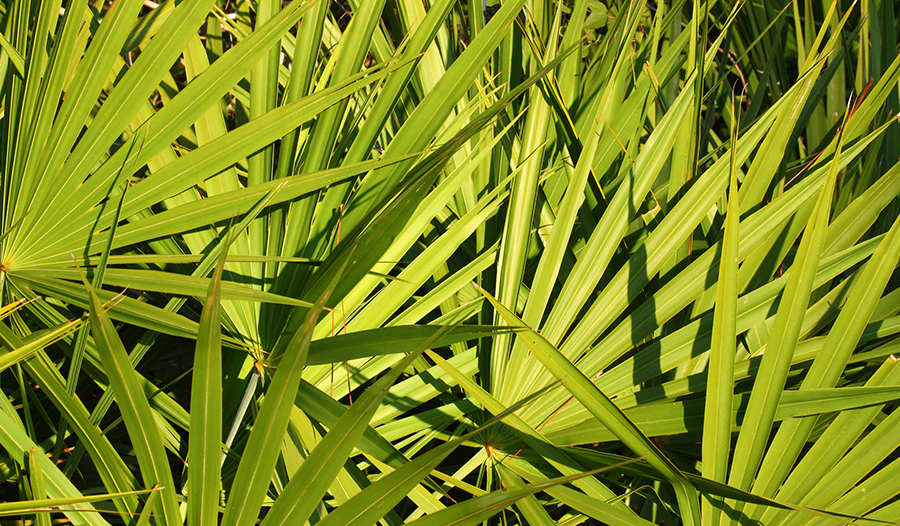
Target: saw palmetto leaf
329 245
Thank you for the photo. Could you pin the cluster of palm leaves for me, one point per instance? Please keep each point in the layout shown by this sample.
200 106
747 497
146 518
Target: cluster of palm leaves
537 262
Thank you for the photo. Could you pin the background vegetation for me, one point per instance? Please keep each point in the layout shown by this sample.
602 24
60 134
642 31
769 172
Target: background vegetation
450 262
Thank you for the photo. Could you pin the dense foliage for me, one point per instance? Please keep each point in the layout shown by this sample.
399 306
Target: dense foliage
449 262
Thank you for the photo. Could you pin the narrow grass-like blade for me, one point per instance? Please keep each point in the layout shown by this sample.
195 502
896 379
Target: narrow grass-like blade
720 371
205 441
56 505
34 345
36 480
135 409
